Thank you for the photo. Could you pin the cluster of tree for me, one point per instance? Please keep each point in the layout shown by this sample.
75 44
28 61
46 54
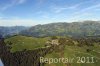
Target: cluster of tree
87 41
22 58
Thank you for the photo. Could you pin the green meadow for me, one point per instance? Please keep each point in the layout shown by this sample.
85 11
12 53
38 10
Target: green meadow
20 43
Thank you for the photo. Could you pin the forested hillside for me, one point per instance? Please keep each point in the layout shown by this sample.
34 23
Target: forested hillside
86 28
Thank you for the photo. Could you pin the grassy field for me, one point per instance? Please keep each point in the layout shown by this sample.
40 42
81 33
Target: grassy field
20 43
75 52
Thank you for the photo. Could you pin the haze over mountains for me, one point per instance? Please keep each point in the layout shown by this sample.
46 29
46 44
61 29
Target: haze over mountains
4 31
85 28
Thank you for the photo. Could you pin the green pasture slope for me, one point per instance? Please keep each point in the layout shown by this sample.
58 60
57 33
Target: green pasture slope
30 43
20 43
75 52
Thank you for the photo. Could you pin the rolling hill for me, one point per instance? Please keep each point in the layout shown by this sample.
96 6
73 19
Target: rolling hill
20 43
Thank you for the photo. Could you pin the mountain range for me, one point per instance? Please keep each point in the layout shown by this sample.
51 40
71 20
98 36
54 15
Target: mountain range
85 28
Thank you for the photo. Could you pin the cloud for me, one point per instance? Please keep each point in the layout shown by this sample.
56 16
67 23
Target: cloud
97 6
12 3
60 9
84 13
57 9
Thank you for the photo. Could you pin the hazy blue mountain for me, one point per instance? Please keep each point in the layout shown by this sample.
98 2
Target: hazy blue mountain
64 29
4 31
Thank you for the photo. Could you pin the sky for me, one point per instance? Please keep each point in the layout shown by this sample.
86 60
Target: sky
33 12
